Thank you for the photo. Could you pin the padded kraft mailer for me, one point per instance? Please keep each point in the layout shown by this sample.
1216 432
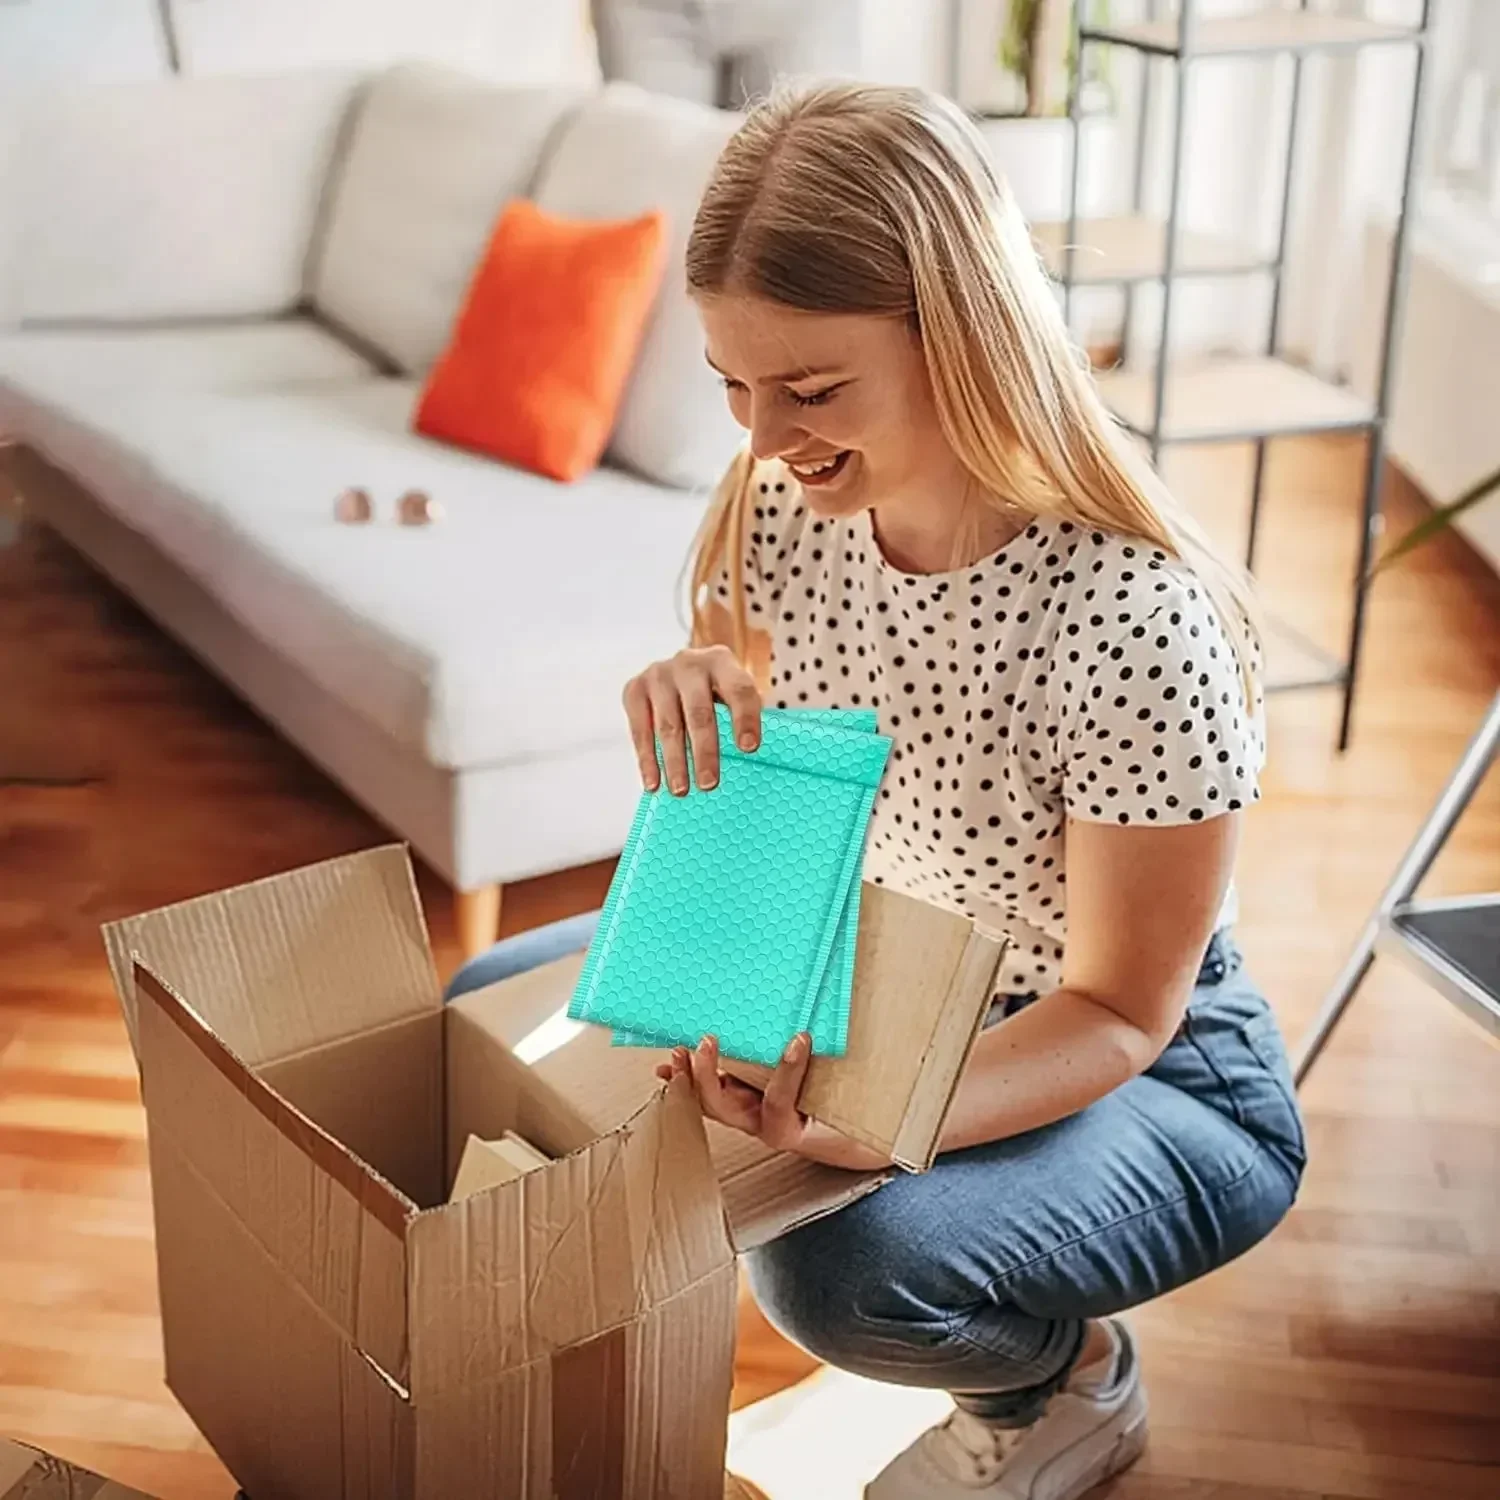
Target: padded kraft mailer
735 911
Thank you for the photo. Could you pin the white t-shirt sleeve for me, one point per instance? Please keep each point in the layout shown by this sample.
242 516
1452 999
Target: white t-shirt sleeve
1162 733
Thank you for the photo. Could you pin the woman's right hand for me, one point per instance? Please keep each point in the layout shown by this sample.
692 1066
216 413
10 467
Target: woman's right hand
673 701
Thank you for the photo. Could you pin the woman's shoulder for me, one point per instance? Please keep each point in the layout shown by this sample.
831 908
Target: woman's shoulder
1113 581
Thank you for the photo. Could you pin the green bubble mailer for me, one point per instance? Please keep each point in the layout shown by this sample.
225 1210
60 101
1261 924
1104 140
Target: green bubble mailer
734 911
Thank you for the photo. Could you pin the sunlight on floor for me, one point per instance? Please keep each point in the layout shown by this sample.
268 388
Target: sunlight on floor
826 1438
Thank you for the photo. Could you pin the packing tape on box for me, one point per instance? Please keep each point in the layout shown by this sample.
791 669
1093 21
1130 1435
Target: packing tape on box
588 1418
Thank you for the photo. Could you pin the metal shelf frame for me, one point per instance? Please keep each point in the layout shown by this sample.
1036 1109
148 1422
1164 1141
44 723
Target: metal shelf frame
1270 33
1453 944
1460 964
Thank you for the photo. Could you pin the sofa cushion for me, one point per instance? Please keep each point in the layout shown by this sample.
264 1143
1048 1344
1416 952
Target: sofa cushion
51 363
624 152
180 198
549 330
501 635
433 158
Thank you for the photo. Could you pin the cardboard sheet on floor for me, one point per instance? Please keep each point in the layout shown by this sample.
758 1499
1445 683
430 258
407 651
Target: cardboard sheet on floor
29 1474
336 1327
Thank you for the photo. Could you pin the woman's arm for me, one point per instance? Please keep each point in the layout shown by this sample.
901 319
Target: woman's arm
1142 903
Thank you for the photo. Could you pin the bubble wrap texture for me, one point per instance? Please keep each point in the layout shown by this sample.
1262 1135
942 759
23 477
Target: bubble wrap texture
734 911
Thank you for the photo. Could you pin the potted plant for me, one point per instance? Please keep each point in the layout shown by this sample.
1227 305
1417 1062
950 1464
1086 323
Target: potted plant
1442 517
1038 47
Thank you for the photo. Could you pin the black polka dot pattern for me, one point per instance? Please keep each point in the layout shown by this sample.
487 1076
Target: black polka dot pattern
1074 673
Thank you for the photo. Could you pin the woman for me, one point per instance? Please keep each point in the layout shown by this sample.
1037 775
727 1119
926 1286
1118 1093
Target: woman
935 517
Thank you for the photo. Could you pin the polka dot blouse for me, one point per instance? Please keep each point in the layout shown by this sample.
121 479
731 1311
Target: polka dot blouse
1073 673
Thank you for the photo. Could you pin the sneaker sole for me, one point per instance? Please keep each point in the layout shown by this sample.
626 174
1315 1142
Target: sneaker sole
1128 1447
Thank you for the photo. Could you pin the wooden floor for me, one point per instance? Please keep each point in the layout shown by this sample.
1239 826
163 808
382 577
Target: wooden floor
1357 1354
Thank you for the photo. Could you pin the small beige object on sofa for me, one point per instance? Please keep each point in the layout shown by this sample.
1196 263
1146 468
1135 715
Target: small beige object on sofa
219 298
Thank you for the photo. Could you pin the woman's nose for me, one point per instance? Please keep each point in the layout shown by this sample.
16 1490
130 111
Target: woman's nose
771 434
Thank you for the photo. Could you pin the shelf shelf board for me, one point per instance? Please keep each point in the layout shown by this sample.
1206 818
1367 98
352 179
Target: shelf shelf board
1133 248
1269 30
1233 400
1455 946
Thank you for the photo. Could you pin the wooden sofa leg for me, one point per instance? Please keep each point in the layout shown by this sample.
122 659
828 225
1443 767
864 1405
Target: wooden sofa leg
478 918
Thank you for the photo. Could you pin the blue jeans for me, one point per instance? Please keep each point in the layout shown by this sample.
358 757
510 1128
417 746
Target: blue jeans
978 1275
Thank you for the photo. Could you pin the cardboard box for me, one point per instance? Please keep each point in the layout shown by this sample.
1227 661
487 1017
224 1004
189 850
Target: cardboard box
336 1327
29 1474
486 1164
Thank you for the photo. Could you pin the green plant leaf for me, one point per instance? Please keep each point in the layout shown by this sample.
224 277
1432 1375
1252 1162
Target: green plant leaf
1442 517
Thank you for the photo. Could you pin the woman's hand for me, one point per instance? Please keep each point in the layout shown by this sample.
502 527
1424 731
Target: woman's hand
770 1114
673 701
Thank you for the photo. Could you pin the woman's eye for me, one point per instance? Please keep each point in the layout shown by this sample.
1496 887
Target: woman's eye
731 385
814 398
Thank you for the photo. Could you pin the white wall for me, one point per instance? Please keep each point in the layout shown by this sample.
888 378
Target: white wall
110 39
1354 137
514 40
906 41
1442 426
522 41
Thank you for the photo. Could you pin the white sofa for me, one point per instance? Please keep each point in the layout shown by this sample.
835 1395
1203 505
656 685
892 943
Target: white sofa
218 299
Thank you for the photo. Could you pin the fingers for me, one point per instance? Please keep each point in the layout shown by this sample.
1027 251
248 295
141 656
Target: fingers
671 727
735 687
780 1122
696 693
722 1099
672 703
637 700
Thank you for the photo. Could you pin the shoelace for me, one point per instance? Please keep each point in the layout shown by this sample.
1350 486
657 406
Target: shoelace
970 1449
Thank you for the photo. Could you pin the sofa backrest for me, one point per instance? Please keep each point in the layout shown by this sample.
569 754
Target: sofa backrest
432 157
626 151
162 199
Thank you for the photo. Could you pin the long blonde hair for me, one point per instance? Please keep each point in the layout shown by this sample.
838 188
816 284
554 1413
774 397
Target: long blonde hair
849 198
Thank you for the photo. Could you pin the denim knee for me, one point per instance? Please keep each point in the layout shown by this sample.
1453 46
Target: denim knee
523 952
873 1304
853 1311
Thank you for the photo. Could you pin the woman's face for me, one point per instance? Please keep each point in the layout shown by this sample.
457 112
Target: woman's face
842 398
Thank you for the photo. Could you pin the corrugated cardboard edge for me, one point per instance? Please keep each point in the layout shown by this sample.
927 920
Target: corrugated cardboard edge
27 1473
122 935
385 1202
947 1051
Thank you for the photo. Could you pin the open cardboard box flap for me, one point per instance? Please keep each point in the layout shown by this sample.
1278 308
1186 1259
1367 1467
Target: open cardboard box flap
292 962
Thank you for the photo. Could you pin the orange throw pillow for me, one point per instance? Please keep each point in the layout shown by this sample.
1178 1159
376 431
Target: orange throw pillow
537 364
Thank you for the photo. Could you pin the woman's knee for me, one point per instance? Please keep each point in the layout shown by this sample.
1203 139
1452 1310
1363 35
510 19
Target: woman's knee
523 952
852 1299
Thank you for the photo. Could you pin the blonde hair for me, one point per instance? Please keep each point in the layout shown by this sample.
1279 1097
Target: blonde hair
851 198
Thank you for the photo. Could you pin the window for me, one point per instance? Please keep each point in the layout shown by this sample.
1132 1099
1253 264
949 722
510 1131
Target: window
1465 141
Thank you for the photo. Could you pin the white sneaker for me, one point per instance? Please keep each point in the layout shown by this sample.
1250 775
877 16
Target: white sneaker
1089 1431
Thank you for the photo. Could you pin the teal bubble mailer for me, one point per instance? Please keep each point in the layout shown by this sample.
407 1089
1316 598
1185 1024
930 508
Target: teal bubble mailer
735 911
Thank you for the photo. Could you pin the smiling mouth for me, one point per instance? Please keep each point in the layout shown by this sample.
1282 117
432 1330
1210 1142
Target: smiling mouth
824 471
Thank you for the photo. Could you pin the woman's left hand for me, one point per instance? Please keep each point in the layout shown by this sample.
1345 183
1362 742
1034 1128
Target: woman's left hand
769 1114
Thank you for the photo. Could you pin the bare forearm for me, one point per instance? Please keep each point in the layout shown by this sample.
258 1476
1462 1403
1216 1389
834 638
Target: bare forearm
1050 1060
